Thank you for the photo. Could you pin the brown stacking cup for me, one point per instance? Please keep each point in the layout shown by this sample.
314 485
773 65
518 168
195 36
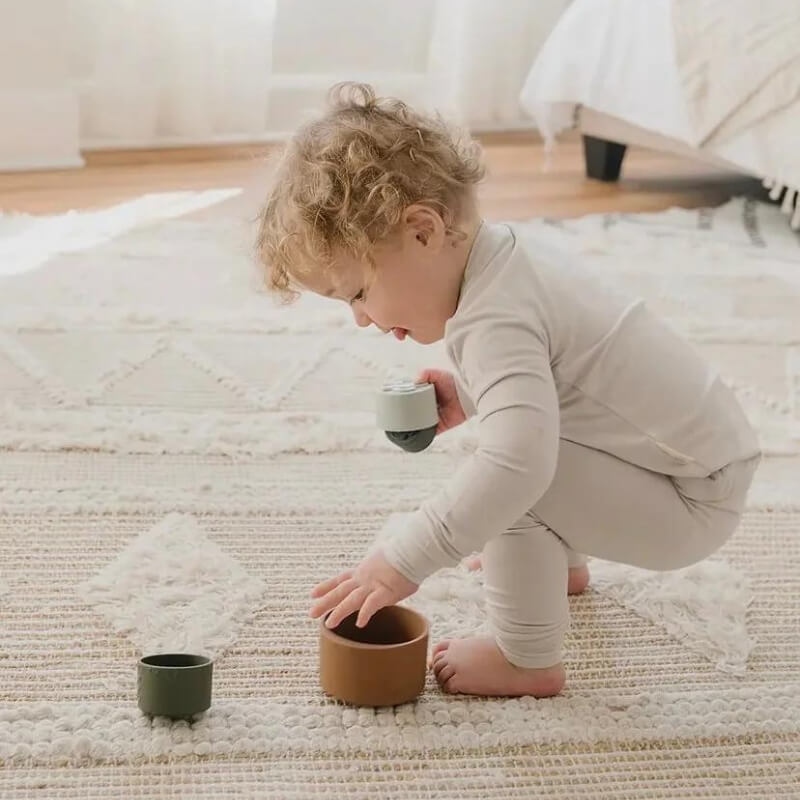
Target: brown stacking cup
382 664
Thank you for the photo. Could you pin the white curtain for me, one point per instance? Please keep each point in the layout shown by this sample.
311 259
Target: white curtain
165 72
481 53
178 70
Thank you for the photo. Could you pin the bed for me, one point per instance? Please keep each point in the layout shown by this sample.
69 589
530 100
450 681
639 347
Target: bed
717 80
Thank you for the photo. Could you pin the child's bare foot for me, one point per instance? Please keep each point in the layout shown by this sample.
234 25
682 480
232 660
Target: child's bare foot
577 581
477 666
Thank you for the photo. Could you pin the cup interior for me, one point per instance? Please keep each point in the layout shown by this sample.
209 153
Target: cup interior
176 660
392 625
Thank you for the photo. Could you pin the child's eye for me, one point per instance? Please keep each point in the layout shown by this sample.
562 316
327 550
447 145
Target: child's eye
359 296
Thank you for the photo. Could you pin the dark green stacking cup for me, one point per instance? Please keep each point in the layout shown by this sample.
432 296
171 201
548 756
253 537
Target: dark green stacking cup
176 685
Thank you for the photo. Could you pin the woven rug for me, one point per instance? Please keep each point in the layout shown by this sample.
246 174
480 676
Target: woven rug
181 460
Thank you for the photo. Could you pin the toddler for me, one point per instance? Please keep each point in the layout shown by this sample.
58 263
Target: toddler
601 432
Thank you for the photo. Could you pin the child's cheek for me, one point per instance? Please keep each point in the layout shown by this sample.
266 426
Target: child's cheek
373 307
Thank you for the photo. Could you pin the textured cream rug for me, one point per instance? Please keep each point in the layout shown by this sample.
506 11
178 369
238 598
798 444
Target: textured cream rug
180 460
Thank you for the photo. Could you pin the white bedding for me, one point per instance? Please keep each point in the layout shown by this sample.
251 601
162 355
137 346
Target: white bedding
617 57
739 63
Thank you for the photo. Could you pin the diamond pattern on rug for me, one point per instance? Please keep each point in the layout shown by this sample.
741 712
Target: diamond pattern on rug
737 304
326 389
167 379
80 482
260 360
84 359
17 386
175 590
704 605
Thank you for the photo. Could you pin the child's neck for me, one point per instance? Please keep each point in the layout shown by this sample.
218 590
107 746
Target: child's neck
471 227
459 258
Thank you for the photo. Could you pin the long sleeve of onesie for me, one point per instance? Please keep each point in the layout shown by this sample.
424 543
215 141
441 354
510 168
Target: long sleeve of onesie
547 349
506 371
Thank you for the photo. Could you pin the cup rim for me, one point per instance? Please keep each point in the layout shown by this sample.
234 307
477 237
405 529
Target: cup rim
204 661
344 641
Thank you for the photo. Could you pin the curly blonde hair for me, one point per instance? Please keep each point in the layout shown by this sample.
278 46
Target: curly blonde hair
344 180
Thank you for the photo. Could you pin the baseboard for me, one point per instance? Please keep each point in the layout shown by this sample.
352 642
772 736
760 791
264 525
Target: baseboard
40 129
42 164
125 156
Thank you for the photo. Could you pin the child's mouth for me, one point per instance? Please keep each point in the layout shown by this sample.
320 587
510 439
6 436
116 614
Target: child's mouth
399 333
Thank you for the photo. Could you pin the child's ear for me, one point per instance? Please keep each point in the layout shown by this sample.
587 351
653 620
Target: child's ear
426 226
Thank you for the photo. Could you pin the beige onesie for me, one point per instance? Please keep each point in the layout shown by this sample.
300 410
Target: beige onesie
601 432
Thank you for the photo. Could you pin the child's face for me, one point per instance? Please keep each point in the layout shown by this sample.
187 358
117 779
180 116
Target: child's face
412 289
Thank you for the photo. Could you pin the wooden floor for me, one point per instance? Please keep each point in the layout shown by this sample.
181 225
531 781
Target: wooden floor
518 184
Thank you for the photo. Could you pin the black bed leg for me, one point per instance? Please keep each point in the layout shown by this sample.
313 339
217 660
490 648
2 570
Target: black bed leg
603 158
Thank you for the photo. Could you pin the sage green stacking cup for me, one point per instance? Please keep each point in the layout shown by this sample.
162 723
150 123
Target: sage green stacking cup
176 685
407 413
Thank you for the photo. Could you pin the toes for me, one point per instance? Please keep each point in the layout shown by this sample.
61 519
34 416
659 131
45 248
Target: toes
445 672
437 658
440 648
449 685
438 661
437 652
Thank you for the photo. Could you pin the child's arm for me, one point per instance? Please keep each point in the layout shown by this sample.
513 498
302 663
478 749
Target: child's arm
375 583
507 371
506 367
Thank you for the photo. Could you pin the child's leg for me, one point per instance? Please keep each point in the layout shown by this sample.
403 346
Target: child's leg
599 505
575 559
577 574
526 593
602 506
526 597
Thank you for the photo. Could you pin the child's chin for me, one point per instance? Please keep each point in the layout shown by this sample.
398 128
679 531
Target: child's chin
424 338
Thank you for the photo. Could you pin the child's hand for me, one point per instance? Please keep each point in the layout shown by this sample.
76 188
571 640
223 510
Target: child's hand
366 589
450 411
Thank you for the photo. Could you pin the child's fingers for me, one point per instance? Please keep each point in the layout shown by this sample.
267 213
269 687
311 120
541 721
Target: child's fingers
324 587
333 597
375 602
429 376
350 604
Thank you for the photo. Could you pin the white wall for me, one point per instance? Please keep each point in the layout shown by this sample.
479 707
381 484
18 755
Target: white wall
317 44
38 109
